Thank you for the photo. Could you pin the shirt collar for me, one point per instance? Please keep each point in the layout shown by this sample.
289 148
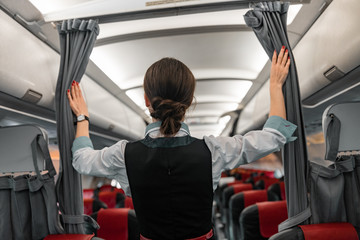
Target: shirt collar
155 128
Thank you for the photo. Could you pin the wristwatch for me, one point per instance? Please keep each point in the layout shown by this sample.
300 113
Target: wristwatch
82 117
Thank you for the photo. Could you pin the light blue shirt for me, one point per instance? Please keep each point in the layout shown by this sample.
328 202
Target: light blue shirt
226 152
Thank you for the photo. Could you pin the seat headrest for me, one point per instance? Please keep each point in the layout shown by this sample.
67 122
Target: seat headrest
348 115
339 231
242 187
253 196
109 198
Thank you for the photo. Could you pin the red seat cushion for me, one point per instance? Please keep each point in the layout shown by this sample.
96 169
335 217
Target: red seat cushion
271 214
69 237
109 198
242 187
113 224
88 206
324 231
253 196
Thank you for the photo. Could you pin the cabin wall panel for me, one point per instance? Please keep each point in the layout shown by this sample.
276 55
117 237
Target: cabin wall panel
26 63
334 39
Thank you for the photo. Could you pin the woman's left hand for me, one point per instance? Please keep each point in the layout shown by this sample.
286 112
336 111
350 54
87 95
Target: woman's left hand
76 100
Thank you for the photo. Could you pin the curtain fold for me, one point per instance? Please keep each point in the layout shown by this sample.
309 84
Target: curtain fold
268 21
77 39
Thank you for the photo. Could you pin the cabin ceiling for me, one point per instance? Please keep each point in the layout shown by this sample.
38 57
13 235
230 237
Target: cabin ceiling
225 56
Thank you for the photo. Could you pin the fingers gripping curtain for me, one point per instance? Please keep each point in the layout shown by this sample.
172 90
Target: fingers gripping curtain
268 21
77 40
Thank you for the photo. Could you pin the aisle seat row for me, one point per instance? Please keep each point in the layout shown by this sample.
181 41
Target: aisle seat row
113 211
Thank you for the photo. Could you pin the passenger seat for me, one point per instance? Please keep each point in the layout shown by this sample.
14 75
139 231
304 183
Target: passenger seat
260 221
93 205
322 231
112 199
239 202
117 224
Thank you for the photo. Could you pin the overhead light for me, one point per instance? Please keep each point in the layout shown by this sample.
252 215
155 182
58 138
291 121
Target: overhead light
221 18
57 10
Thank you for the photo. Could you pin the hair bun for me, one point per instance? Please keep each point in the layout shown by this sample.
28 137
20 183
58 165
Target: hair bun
169 112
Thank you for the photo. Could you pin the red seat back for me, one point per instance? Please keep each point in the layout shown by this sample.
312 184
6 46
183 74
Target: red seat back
269 181
113 224
324 231
88 206
271 214
88 193
233 183
242 187
253 196
109 198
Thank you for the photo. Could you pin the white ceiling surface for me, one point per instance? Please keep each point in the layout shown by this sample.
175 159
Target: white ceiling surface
125 63
227 58
56 10
213 55
65 9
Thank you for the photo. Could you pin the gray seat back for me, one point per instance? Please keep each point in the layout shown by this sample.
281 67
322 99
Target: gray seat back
349 116
15 149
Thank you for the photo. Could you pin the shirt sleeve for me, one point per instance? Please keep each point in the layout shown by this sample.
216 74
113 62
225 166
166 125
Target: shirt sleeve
108 162
231 152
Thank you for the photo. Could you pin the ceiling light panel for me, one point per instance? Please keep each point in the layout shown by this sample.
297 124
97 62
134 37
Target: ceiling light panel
231 17
222 55
211 109
56 10
221 90
221 18
65 9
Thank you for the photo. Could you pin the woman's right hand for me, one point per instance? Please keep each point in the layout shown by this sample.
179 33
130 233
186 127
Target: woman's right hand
279 68
279 71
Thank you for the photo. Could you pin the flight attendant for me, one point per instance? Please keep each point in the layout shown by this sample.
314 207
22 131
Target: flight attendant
171 175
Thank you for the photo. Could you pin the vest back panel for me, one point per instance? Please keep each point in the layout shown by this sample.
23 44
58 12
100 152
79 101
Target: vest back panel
171 185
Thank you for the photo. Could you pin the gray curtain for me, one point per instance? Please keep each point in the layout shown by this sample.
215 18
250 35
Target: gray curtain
77 40
268 21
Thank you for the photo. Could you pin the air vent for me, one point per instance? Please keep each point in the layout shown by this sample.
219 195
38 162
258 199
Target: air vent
333 74
32 96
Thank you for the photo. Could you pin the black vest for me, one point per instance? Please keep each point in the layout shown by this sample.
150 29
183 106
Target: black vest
171 186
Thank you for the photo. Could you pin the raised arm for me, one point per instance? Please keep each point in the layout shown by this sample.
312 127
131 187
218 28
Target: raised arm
78 106
279 71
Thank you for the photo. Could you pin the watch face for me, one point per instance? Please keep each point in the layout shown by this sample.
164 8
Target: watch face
81 118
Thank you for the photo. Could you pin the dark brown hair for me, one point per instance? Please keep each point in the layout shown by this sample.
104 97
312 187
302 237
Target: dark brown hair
169 85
